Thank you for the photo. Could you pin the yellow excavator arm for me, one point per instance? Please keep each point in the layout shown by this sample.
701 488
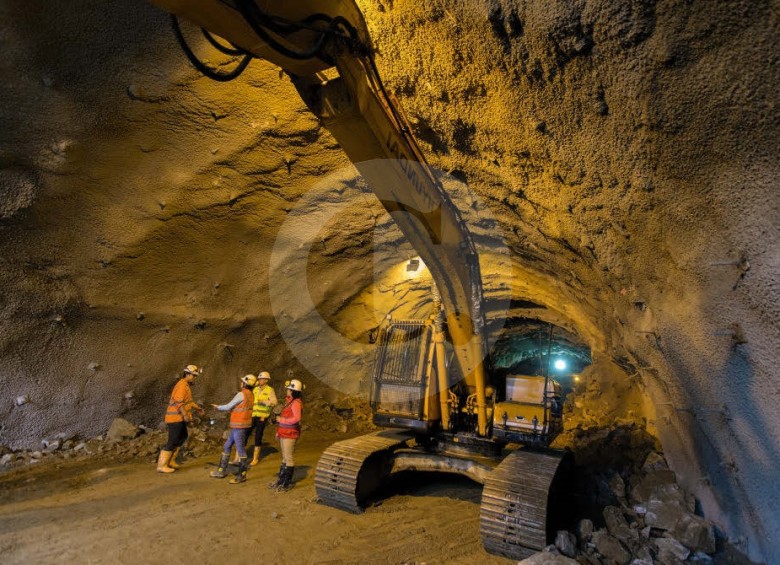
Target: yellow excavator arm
324 47
308 38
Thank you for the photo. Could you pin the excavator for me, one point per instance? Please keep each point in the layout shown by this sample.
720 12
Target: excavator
438 404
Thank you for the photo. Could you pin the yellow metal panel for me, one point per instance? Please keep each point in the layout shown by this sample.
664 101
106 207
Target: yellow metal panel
519 416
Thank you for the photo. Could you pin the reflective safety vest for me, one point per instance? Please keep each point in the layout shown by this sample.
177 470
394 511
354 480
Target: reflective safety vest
179 405
262 394
289 430
241 415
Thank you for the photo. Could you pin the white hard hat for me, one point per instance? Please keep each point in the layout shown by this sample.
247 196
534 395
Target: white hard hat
295 384
249 380
263 375
192 370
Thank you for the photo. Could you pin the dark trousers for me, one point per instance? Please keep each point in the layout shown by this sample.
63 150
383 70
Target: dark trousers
177 435
258 425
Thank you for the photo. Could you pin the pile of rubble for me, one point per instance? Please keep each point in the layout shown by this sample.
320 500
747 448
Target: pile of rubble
125 441
631 509
603 397
654 521
347 415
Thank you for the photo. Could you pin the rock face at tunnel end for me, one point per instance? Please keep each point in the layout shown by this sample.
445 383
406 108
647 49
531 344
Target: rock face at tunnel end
626 155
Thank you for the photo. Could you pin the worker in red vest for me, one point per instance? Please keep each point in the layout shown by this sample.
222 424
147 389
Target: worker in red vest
240 409
288 431
178 413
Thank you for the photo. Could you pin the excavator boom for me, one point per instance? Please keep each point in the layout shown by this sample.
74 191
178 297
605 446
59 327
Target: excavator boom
325 49
306 38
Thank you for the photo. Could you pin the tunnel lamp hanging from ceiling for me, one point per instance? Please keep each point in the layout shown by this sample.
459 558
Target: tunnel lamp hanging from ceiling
559 364
413 265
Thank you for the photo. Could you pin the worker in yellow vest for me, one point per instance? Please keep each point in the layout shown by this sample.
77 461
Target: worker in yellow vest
265 400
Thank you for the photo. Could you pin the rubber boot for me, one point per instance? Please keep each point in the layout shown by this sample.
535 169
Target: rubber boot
286 482
162 462
221 471
273 484
256 456
234 457
240 476
173 464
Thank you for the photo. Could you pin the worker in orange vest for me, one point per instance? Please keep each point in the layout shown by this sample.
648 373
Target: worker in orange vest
288 431
265 400
240 409
177 415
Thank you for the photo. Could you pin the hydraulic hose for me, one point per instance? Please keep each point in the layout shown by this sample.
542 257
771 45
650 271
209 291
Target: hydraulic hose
198 64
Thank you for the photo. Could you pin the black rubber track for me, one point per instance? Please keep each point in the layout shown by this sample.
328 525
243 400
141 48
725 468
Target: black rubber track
350 471
514 509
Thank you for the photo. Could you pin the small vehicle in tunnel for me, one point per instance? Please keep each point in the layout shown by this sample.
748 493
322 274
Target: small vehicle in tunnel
432 386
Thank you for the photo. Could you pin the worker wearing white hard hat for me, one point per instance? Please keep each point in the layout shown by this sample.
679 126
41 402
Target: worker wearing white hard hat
265 400
288 432
178 413
240 408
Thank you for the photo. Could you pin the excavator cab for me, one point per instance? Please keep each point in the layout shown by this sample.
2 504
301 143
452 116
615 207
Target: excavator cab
401 392
415 387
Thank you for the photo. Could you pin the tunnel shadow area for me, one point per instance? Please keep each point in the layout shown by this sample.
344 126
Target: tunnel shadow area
27 485
607 464
428 484
82 511
732 441
603 459
265 452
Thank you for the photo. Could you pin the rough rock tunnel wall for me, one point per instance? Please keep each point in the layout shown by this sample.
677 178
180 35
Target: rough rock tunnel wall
626 152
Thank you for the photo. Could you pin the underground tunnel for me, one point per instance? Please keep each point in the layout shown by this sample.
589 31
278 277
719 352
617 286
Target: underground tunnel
521 254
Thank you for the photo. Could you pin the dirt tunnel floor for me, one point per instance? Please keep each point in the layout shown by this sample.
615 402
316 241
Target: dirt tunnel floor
101 511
